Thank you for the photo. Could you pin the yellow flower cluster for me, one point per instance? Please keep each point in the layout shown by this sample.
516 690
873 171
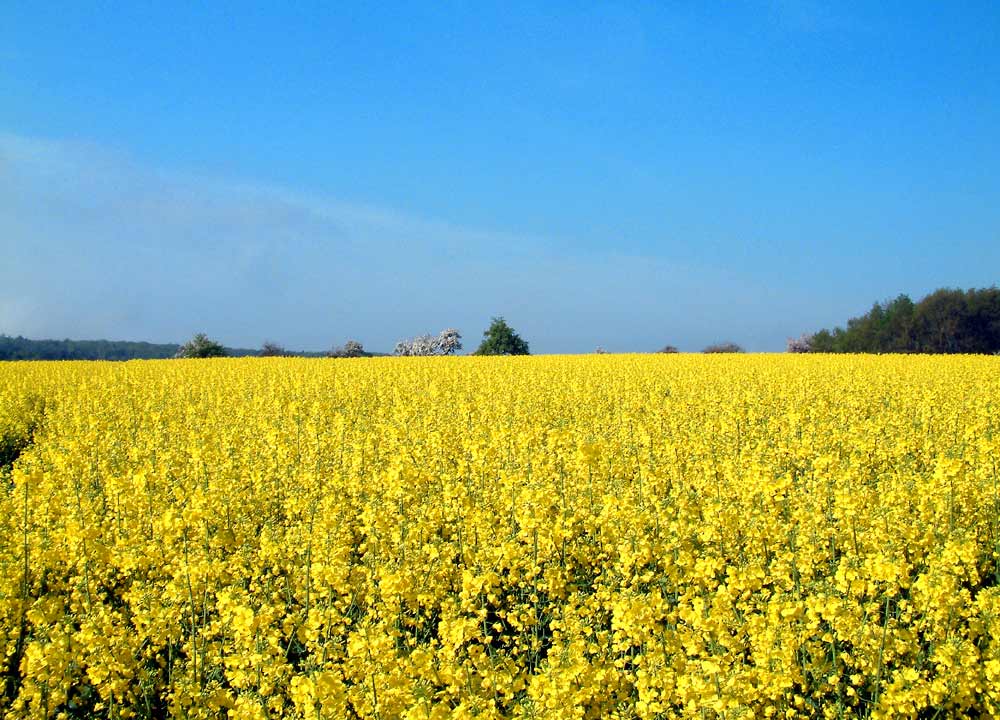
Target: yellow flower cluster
546 537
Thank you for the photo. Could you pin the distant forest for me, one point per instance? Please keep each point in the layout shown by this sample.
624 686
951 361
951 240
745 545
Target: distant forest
21 348
946 321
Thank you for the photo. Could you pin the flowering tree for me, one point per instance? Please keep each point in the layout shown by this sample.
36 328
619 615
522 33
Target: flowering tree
802 344
449 341
446 343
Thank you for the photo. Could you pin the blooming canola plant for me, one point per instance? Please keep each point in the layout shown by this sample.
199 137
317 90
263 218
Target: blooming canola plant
630 536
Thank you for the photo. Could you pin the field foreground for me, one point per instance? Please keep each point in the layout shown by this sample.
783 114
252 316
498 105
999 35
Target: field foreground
552 537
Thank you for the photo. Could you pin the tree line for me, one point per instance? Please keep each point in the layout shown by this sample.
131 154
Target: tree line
22 348
498 339
945 321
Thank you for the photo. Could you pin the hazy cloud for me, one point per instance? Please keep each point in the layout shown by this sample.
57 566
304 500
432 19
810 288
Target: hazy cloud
96 245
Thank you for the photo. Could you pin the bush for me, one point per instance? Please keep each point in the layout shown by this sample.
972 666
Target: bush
500 339
668 349
270 349
723 347
350 349
200 346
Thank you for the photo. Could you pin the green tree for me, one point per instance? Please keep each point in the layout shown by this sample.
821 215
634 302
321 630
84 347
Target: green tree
822 342
500 339
896 332
984 319
200 346
940 322
946 321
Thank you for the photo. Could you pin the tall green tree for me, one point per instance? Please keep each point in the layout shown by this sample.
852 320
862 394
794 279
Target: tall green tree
201 346
500 339
984 318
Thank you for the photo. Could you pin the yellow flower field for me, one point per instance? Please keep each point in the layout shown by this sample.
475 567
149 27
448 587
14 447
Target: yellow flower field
631 536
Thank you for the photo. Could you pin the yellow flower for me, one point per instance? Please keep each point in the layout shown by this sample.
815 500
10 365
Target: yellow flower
579 537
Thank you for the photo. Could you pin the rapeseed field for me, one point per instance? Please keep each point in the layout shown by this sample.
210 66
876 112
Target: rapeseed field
630 536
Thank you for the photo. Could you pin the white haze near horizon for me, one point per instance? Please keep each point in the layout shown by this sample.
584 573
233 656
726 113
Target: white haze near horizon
99 245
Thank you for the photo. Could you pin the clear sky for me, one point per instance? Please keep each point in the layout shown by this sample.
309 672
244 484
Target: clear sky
625 175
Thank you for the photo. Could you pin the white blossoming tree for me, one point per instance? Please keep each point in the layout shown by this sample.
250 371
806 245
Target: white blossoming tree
447 342
802 344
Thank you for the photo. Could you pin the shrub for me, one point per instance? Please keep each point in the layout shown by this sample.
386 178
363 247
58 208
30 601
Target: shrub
668 349
350 349
723 347
270 349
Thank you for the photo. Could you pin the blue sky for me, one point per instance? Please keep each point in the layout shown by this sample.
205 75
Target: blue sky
625 175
